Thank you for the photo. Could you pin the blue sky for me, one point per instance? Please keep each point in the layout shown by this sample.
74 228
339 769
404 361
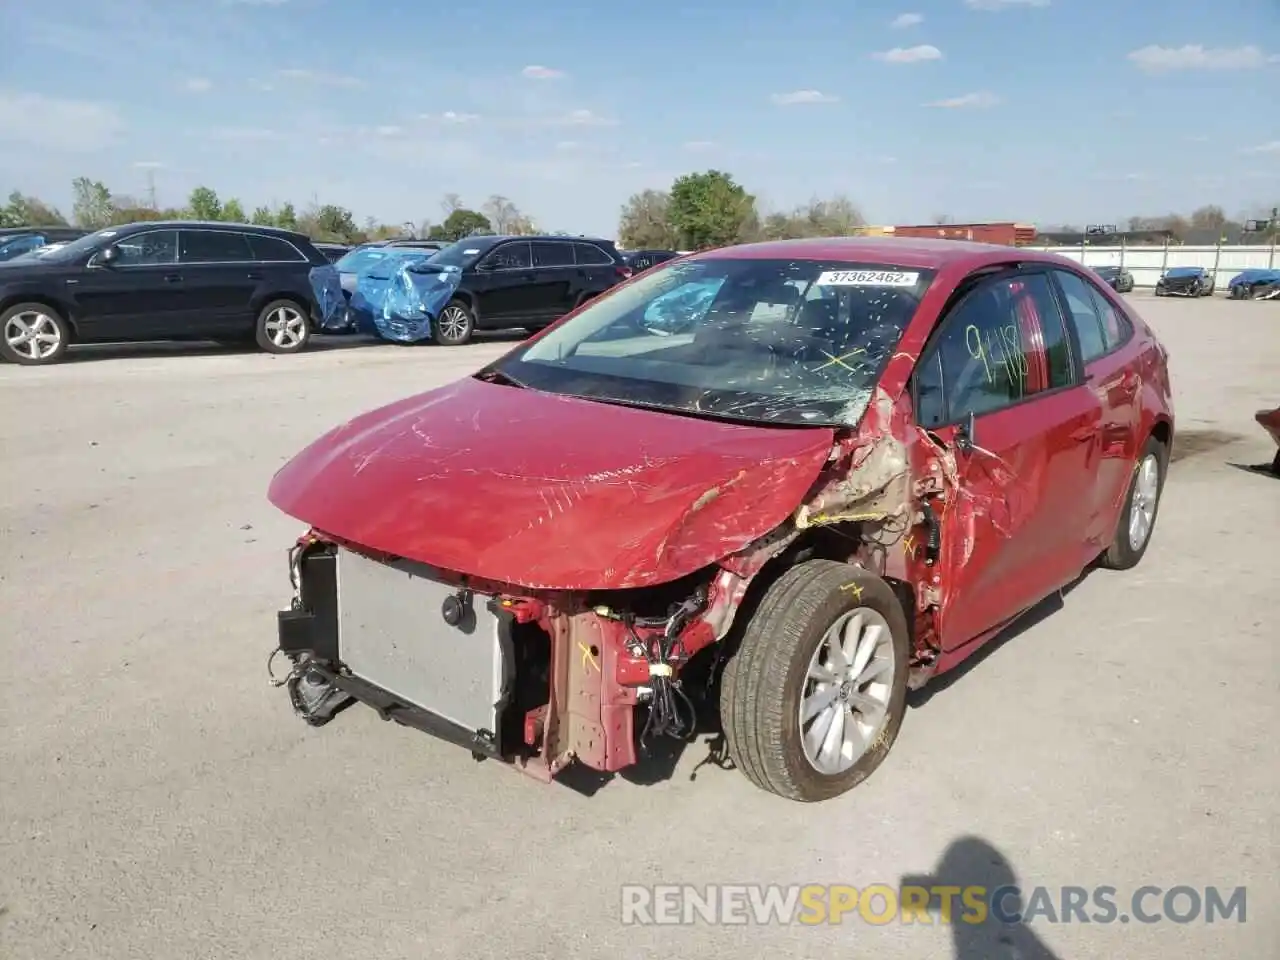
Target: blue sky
1035 110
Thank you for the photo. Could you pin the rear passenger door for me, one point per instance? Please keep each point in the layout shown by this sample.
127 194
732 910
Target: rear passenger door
599 271
557 275
1013 535
1101 332
218 279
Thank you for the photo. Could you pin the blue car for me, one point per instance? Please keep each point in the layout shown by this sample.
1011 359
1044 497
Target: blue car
1258 283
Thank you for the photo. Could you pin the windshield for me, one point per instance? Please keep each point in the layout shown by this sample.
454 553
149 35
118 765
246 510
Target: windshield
778 341
1106 269
357 261
461 254
81 247
1185 271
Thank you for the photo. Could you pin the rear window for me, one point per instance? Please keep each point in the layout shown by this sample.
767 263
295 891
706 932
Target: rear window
551 254
274 249
212 246
589 255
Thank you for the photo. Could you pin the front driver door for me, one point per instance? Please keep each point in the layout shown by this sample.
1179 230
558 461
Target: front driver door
138 296
1012 533
502 284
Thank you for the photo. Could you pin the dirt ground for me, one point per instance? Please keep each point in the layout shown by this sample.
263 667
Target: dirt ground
158 799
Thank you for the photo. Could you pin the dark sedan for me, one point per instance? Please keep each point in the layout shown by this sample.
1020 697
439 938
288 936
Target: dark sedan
1186 282
1117 278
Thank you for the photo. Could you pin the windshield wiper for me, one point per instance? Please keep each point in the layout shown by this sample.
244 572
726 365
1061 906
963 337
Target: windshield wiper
498 375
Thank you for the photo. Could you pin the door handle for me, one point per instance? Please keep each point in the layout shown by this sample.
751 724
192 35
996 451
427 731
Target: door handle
528 276
255 275
173 278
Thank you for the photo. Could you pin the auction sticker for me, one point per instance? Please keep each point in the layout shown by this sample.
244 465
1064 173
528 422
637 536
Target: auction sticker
867 278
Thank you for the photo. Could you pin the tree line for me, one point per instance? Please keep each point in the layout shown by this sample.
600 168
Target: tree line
95 206
699 210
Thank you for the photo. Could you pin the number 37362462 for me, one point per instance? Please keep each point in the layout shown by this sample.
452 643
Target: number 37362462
1000 353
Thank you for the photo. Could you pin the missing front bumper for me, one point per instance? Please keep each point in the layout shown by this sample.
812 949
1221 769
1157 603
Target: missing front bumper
396 637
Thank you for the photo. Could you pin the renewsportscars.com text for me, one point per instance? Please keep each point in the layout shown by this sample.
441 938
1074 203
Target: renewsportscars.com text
879 904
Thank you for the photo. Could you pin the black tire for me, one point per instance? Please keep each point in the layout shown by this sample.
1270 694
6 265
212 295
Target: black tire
455 326
1159 292
1122 554
284 326
51 324
764 680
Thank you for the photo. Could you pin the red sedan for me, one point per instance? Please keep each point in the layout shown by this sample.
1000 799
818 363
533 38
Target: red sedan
825 471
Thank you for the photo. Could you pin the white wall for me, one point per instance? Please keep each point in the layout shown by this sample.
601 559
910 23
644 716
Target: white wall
1147 263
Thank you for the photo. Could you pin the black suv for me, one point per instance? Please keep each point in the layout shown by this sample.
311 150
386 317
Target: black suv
525 282
230 283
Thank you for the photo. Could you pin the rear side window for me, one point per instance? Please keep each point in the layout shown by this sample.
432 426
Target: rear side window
552 255
212 246
275 250
589 255
1116 328
1084 315
1003 343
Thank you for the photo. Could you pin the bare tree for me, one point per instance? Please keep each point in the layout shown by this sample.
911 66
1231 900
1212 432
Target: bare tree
942 219
643 223
502 213
450 203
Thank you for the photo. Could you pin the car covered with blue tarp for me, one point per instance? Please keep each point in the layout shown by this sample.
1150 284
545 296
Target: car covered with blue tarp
1257 283
396 293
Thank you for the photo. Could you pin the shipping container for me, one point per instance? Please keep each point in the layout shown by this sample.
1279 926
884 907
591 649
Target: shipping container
1008 234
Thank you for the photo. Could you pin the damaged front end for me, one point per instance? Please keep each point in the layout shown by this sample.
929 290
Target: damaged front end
544 678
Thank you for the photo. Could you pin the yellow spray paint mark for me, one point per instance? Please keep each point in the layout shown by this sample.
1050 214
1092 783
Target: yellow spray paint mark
909 545
855 588
840 360
588 657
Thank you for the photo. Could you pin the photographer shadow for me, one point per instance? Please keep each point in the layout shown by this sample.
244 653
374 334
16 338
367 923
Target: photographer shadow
969 862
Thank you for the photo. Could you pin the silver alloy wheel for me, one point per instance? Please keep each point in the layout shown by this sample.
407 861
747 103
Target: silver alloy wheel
845 702
33 334
454 323
285 327
1142 512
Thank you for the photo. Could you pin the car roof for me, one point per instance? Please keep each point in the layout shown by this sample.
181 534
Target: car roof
209 225
923 252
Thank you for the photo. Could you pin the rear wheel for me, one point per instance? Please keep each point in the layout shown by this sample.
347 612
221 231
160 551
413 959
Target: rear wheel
32 334
283 327
455 325
813 699
1142 503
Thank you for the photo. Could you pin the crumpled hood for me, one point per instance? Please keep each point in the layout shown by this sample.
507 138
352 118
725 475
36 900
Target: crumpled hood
529 488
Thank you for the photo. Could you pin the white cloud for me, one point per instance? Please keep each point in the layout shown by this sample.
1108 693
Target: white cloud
1193 56
74 126
1271 147
585 118
198 84
148 165
917 54
803 96
319 78
904 20
1003 4
237 134
450 116
538 72
979 99
389 130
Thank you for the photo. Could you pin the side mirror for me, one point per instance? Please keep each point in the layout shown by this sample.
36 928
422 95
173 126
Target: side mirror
108 256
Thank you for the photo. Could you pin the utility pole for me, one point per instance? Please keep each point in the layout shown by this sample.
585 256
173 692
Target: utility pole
151 189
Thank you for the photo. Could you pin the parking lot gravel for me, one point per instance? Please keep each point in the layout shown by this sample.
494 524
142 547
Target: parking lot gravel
158 798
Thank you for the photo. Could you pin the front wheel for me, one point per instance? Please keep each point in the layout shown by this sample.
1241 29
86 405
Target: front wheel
455 325
283 327
1141 504
812 700
32 334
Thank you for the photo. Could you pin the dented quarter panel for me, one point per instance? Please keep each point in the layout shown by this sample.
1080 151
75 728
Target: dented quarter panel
548 492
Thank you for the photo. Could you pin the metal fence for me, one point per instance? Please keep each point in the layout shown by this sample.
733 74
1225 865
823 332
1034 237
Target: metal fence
1148 263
